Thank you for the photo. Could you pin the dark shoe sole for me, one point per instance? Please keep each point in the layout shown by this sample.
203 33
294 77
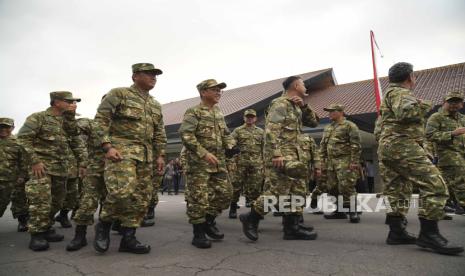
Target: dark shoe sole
243 221
303 238
394 242
55 240
76 248
134 252
40 249
201 245
444 251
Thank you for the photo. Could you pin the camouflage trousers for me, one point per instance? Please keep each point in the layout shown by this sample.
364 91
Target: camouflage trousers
129 186
45 197
455 180
249 178
93 191
14 192
206 193
341 180
157 179
72 194
406 166
277 184
321 185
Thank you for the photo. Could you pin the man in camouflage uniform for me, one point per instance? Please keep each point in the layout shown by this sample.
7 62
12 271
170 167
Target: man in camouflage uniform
93 184
446 130
340 151
285 170
13 172
249 173
46 138
130 124
406 164
208 142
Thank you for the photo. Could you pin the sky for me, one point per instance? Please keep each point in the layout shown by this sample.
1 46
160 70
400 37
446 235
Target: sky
88 46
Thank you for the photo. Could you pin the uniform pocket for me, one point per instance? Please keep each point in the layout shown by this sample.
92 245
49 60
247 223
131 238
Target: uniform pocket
131 110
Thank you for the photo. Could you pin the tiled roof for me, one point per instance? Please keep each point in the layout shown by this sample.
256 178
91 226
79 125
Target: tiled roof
232 100
358 97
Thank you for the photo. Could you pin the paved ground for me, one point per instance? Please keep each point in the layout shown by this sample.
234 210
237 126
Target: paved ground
341 249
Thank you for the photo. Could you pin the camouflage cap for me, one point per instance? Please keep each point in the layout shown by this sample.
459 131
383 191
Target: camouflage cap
250 112
7 122
334 107
63 95
140 67
295 169
454 95
209 84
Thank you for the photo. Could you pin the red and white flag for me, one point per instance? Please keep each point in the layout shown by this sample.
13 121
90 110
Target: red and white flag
377 85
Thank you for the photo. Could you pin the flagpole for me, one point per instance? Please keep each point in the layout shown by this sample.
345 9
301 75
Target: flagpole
375 73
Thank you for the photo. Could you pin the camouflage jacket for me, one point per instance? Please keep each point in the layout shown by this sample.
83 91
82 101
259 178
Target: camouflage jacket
13 162
50 139
310 150
402 116
204 130
341 140
283 126
450 149
250 142
132 122
90 138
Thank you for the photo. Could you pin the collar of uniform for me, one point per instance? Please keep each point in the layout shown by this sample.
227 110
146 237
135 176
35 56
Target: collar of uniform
49 111
447 113
339 123
204 106
136 90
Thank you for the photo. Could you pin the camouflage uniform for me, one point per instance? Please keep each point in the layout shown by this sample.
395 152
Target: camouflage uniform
450 149
208 190
283 127
249 173
311 156
339 148
13 166
132 122
45 137
72 189
405 162
93 185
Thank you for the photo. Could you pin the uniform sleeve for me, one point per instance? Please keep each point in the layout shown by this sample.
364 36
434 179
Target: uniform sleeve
76 143
159 137
378 127
323 146
407 109
187 131
105 112
434 133
275 119
355 145
228 141
22 162
309 117
27 135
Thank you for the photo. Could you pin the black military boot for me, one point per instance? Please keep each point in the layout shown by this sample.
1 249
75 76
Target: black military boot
79 240
200 240
210 228
22 223
301 223
397 233
51 236
430 237
149 219
292 231
336 215
233 211
130 244
354 217
38 242
116 226
250 222
62 218
102 236
459 210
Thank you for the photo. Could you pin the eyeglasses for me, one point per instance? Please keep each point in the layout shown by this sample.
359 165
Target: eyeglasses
69 101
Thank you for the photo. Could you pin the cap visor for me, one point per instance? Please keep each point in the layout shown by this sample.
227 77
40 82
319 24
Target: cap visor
328 109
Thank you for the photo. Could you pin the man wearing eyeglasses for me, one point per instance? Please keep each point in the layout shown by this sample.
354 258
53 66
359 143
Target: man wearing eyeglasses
207 141
46 138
